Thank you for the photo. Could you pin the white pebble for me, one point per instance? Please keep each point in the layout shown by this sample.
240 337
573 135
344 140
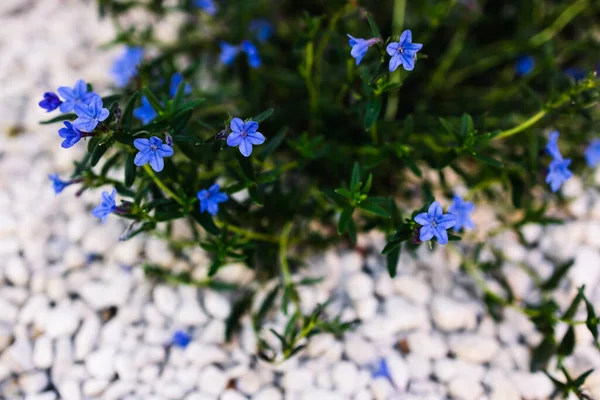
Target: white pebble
359 286
94 387
16 271
8 311
43 352
429 345
398 371
33 382
269 393
100 363
359 350
474 348
61 321
217 305
190 313
352 261
86 337
381 388
465 388
249 383
212 380
451 315
412 288
299 379
419 367
166 299
532 386
344 375
231 394
366 308
69 390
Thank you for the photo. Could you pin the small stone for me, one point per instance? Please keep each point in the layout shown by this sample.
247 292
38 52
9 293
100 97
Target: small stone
532 386
6 335
95 387
61 321
214 332
42 396
465 388
450 315
124 367
231 394
531 232
366 308
381 388
359 350
585 269
149 373
446 369
269 393
249 383
404 316
412 288
118 389
430 345
86 337
63 358
419 367
33 382
501 387
100 363
299 379
352 261
384 286
8 312
474 348
359 286
344 375
16 271
319 344
69 390
43 353
216 305
398 371
172 391
190 313
20 355
204 354
212 380
199 396
165 299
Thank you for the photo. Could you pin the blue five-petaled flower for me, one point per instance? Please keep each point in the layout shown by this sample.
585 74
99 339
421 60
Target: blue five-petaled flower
524 65
403 52
51 102
207 5
462 211
360 47
151 151
558 170
57 184
435 223
107 206
244 135
175 81
181 339
126 66
228 52
592 153
145 113
252 53
262 29
210 199
90 115
77 95
71 135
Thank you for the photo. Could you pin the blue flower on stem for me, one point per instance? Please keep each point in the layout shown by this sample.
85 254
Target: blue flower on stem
403 52
461 210
207 5
126 66
71 135
524 65
435 223
558 173
175 81
592 153
151 151
228 52
145 113
90 115
107 206
261 29
57 184
181 339
252 52
210 199
244 135
51 102
77 95
552 146
360 47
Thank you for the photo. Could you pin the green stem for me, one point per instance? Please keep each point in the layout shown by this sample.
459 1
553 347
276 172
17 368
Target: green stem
522 126
249 234
283 246
397 25
161 185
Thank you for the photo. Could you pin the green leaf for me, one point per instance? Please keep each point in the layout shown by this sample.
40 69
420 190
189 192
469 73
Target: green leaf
373 110
179 94
392 261
374 208
591 321
542 354
127 117
365 189
566 346
409 126
466 126
233 322
99 151
344 192
60 118
373 25
265 307
391 245
130 170
352 231
221 286
410 164
263 116
355 176
570 313
388 87
558 274
246 167
580 380
447 126
486 159
206 221
154 102
189 106
272 144
110 163
345 218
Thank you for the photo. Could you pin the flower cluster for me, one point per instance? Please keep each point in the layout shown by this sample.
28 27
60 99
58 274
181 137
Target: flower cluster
558 170
402 52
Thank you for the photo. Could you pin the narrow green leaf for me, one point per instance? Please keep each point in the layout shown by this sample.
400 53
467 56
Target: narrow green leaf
542 354
373 110
447 126
570 313
345 218
127 117
352 231
60 118
374 208
189 106
412 166
558 274
391 245
373 25
466 126
263 115
367 187
591 321
206 221
99 151
246 167
487 159
409 126
344 192
355 176
265 307
567 344
272 144
233 322
179 94
392 261
154 102
130 170
580 380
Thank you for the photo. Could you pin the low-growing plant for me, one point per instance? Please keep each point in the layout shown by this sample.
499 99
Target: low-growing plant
278 127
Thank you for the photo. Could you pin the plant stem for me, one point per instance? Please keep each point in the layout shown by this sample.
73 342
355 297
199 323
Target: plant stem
249 234
283 246
522 126
161 185
397 25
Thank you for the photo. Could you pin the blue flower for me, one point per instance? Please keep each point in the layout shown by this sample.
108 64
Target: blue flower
57 184
207 5
552 146
244 135
151 151
228 52
90 115
577 74
435 223
175 81
403 52
51 102
252 52
524 65
210 199
360 47
461 210
126 66
71 135
181 339
262 29
145 113
107 206
592 153
77 95
381 370
558 173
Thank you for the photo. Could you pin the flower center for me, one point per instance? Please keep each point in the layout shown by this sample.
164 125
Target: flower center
433 224
153 147
244 134
400 50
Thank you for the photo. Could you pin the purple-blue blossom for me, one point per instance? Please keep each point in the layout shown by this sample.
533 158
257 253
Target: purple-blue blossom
151 151
175 81
577 74
261 29
181 339
462 211
403 52
244 135
77 95
552 146
57 184
558 173
71 135
145 113
228 52
210 199
360 47
435 223
524 65
252 52
51 102
126 66
381 370
208 6
107 206
592 153
90 115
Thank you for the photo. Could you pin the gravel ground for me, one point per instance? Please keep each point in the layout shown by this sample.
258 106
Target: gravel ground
78 320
